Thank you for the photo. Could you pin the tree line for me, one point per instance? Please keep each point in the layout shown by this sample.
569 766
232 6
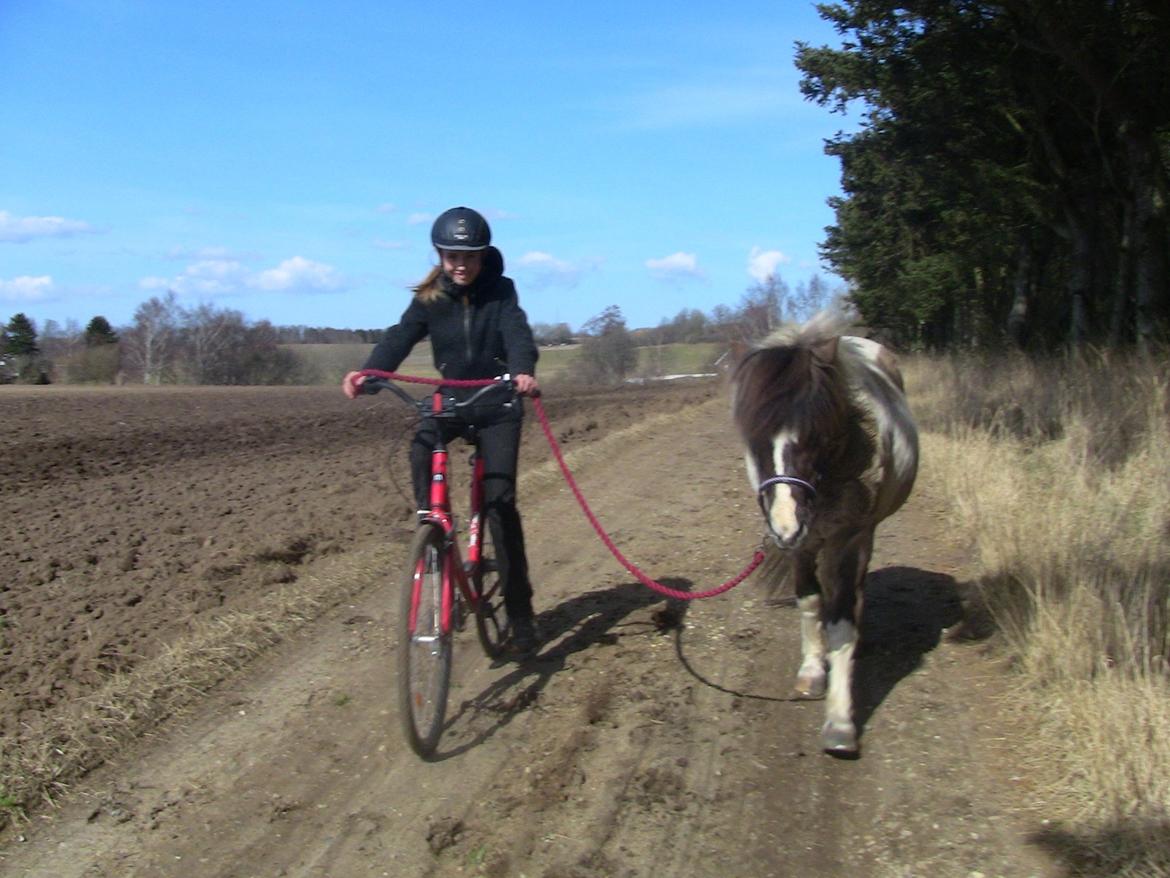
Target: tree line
166 344
170 344
1008 182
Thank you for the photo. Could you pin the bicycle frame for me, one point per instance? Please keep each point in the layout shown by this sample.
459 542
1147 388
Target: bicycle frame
455 572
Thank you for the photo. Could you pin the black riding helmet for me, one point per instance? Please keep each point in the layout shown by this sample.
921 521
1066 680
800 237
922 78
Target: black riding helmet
461 228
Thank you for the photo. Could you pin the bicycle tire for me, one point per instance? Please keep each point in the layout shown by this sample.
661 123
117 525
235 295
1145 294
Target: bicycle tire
490 617
424 657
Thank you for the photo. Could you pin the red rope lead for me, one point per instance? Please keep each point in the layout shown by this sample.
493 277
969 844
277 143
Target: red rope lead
542 416
651 584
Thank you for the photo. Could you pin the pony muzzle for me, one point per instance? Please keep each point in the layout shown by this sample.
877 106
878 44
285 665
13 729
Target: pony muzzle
787 530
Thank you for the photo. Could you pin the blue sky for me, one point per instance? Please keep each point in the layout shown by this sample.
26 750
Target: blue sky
285 159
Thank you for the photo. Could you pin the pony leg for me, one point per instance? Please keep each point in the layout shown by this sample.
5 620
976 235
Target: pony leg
839 734
810 679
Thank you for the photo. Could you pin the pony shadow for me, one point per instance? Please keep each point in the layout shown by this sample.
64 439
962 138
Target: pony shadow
588 620
906 611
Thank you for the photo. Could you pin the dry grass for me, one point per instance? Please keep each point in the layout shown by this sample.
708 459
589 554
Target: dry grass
1060 473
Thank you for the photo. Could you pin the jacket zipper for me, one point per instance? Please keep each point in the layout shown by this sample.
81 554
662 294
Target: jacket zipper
467 325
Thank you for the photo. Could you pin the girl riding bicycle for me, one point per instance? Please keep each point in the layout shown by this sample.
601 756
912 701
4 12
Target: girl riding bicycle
477 329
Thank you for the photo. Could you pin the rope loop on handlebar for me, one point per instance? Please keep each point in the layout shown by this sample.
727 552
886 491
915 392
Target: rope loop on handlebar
542 416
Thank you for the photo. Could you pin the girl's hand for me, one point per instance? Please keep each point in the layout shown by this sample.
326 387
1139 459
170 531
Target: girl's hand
526 385
351 384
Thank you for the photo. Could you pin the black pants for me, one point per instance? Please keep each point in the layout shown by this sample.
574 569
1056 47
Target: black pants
497 432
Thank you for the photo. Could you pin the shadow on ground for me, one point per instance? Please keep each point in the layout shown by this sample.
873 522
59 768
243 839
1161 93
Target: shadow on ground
596 617
906 611
1137 849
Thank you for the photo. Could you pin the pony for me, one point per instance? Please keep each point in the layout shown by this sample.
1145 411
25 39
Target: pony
831 450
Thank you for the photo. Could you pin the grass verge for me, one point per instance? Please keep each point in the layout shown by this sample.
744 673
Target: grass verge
1058 472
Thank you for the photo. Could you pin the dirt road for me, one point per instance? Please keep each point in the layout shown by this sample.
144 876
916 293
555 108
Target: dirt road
648 737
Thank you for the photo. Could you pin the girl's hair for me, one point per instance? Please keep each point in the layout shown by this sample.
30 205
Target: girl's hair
428 289
429 282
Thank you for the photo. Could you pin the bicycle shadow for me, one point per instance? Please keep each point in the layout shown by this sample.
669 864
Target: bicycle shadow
583 622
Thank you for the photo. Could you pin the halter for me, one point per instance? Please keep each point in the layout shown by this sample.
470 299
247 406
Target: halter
782 480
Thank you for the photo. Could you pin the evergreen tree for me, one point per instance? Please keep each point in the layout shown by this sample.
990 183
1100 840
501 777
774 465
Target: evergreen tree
21 338
1010 175
99 332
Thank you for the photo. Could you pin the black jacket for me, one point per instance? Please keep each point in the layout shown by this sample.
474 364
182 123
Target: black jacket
479 331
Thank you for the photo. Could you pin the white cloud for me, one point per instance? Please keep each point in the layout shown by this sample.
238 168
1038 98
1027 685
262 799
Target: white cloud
386 207
21 229
26 289
299 274
677 266
207 277
210 277
390 245
417 219
543 270
763 263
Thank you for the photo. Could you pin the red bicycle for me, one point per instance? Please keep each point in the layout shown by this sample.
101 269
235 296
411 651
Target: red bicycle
442 588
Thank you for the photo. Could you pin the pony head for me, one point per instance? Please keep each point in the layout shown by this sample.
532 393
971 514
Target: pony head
791 409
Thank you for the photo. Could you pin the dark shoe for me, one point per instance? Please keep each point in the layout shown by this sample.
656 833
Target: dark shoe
524 638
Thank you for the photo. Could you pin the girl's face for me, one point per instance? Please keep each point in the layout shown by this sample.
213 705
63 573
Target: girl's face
462 266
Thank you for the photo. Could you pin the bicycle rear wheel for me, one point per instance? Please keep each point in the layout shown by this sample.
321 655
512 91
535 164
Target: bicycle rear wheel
424 661
491 621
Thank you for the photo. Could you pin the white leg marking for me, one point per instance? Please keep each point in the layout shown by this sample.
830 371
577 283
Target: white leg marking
839 734
810 679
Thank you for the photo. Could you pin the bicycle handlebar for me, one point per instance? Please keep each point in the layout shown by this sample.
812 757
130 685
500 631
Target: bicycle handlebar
376 381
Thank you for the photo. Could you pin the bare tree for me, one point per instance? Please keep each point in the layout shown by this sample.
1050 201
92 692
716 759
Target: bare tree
150 342
810 298
608 353
207 338
763 308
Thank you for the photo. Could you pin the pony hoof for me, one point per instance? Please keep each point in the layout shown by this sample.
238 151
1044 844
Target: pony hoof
810 688
840 741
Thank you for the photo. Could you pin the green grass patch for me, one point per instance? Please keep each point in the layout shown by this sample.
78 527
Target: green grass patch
330 362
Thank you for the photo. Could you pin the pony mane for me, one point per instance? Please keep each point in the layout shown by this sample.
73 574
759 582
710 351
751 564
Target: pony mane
792 381
821 327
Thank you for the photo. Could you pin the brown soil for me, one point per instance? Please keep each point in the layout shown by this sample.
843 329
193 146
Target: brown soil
648 737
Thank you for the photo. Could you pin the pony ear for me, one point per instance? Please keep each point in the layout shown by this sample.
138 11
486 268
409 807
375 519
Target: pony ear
737 351
826 351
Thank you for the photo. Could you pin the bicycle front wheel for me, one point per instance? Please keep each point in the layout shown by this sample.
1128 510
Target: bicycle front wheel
424 661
